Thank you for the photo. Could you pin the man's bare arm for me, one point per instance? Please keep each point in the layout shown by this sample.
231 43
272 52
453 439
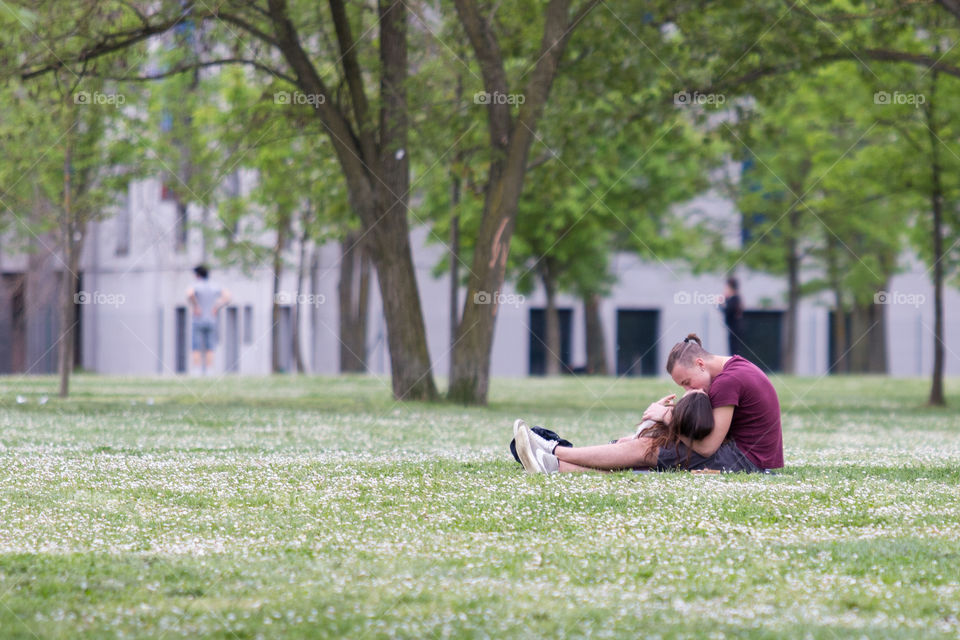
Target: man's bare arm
722 417
222 301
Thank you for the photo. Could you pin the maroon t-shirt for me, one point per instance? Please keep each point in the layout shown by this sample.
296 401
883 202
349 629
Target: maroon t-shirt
755 426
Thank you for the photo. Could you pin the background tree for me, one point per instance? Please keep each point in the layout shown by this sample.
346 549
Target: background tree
510 140
69 150
369 137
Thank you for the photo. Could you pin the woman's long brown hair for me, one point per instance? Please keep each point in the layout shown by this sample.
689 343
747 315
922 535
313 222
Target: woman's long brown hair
692 419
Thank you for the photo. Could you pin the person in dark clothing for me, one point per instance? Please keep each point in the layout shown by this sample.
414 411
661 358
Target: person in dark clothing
732 308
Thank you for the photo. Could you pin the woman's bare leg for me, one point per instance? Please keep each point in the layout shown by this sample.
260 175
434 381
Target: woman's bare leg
625 454
569 467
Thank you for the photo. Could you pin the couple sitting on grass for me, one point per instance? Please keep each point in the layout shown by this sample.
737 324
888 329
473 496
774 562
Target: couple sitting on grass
729 420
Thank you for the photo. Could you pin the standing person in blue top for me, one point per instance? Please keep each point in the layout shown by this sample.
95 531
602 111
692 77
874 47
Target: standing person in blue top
206 299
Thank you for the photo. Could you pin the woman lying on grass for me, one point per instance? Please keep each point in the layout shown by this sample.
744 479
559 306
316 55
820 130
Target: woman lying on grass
692 420
744 433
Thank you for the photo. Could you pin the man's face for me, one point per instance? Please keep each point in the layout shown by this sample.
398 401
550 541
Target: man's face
693 377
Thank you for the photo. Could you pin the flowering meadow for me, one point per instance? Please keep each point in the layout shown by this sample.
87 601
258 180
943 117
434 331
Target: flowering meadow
320 508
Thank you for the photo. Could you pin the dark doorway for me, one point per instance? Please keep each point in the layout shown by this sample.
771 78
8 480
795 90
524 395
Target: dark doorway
78 327
637 333
13 325
835 351
763 339
538 339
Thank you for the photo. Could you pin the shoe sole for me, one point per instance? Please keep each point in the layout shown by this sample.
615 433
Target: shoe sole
524 451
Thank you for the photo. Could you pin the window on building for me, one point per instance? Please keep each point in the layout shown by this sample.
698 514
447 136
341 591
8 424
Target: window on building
122 221
637 333
248 324
763 339
538 338
232 341
285 330
181 227
181 337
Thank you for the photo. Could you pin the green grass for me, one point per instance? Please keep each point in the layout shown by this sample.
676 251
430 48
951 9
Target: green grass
318 507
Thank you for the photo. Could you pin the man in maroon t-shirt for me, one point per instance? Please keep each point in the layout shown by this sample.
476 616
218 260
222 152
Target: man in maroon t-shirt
746 409
746 436
755 426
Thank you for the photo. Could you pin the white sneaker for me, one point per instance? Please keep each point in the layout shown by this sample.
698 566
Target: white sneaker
535 453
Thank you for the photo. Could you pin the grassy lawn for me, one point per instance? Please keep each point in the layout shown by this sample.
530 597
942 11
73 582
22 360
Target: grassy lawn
318 507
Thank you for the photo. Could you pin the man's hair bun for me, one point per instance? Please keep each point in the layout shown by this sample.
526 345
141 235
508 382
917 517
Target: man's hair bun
692 337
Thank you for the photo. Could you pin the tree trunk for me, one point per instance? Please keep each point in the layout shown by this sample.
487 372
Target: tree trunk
867 351
937 397
275 346
455 190
353 293
295 334
454 275
877 338
596 342
510 142
553 361
377 175
839 325
793 304
410 366
71 242
840 338
315 320
859 342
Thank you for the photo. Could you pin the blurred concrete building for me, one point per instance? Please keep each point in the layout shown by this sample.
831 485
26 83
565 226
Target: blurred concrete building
133 317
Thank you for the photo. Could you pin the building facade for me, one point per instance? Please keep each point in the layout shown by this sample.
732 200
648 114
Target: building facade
138 263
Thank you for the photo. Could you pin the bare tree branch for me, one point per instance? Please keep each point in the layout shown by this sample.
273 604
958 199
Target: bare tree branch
246 26
109 43
541 160
953 6
353 76
880 55
487 51
849 17
201 65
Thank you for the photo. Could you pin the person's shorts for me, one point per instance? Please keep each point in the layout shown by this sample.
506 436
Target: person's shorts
204 335
727 458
